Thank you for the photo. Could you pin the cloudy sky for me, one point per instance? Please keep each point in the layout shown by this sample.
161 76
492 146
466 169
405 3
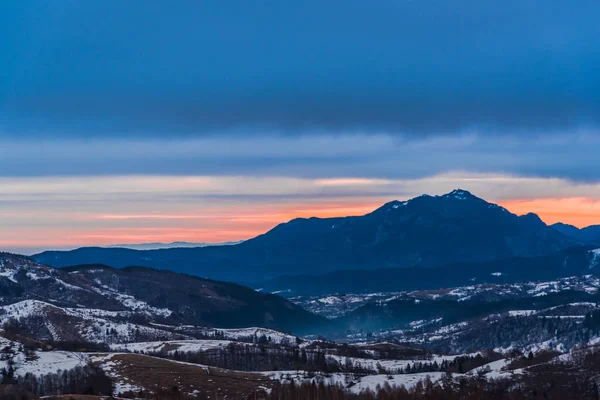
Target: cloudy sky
139 121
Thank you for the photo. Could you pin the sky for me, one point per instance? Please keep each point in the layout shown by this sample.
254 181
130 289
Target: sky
146 121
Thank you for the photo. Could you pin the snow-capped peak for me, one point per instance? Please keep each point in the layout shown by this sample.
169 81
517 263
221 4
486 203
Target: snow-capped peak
459 194
398 204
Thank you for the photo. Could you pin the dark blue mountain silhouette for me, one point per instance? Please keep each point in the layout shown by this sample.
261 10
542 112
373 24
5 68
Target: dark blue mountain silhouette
424 231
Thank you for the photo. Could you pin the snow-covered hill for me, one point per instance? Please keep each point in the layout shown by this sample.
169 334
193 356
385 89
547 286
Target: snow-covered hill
105 304
336 305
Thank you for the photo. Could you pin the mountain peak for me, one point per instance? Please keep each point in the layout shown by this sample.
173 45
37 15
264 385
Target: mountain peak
425 230
460 194
533 218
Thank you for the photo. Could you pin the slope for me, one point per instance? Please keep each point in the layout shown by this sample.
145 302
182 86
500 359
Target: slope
143 296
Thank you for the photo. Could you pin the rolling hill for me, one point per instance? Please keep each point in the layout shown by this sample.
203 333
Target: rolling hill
130 298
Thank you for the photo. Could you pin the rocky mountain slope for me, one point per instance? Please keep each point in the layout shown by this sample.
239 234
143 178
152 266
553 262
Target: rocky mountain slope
424 231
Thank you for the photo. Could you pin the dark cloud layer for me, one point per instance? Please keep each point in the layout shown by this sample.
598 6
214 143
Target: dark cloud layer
136 68
565 156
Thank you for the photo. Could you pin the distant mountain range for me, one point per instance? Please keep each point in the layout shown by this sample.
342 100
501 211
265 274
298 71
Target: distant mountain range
483 316
426 231
156 246
590 234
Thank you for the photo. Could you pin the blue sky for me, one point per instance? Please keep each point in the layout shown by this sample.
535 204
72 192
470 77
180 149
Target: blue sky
248 94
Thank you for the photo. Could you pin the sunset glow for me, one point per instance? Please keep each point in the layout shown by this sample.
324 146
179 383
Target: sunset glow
578 211
57 213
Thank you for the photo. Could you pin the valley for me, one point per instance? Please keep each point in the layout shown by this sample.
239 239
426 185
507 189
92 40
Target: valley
135 345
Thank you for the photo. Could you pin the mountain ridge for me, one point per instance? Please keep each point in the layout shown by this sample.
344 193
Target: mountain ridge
424 231
589 233
160 245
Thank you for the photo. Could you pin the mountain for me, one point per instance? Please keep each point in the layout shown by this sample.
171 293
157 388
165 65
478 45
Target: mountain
424 231
140 296
569 262
155 246
590 234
